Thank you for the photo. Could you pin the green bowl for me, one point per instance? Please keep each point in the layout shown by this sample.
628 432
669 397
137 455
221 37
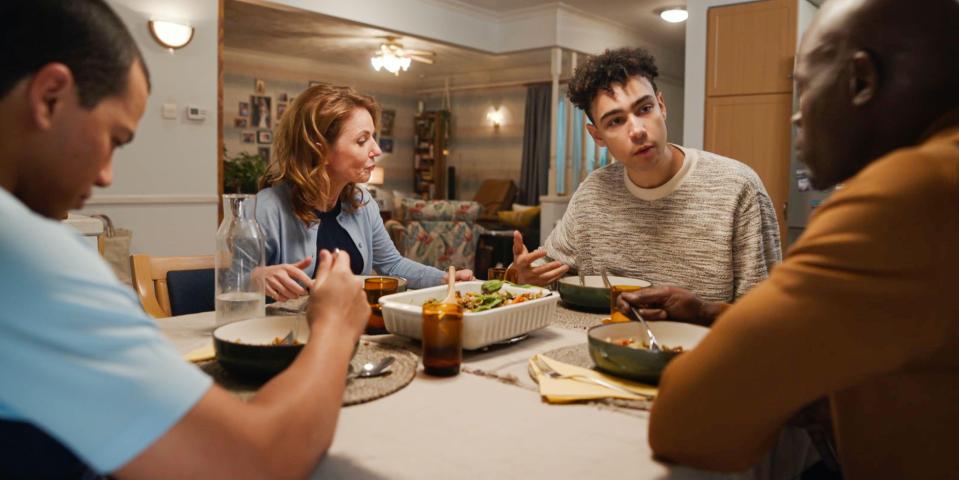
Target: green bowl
592 294
640 364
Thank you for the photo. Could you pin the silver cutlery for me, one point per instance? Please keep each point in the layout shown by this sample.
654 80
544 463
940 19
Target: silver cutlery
371 369
653 344
545 369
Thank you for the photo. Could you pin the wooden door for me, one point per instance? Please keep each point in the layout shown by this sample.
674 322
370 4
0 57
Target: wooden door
755 130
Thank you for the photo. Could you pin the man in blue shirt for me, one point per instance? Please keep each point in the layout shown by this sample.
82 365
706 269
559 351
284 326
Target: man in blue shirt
89 386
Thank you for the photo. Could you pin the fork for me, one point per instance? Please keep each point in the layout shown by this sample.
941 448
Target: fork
545 369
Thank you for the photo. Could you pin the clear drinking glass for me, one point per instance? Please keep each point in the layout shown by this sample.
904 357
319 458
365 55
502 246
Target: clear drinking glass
239 260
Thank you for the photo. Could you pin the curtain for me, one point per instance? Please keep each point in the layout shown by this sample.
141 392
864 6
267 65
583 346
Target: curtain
534 176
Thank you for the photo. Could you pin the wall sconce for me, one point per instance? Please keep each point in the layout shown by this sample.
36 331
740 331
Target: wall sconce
495 117
376 177
170 35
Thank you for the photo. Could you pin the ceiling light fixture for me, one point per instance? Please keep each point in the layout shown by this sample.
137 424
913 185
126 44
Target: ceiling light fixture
674 14
170 35
391 57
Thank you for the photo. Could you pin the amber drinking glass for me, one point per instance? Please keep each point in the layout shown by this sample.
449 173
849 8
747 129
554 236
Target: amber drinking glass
614 314
496 273
375 288
442 339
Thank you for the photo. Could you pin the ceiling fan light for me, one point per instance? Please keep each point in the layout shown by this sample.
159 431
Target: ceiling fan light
405 63
377 61
674 15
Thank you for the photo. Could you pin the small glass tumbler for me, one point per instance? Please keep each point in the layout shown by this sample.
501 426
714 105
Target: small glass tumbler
614 314
376 287
496 273
442 339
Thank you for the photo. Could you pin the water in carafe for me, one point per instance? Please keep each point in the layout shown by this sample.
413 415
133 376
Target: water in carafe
239 261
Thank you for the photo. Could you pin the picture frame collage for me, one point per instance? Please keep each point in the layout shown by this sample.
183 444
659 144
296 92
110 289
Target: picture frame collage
256 118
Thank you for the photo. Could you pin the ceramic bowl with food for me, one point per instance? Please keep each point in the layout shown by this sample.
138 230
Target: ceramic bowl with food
251 348
620 349
593 294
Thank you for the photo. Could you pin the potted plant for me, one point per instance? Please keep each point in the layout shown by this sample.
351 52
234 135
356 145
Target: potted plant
242 173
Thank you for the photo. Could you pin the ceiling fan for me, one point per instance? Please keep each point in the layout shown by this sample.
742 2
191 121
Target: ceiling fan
392 57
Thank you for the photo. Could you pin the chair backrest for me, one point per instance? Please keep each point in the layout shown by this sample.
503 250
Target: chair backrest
495 195
150 279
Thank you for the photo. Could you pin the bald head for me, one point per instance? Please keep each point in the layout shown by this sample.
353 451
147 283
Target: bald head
873 76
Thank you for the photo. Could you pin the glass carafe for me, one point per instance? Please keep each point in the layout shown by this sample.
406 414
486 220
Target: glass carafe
239 261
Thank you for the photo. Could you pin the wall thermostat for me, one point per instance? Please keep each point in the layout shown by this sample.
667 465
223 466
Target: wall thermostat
195 113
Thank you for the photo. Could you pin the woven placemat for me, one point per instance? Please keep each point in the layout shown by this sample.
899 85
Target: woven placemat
567 317
358 390
578 355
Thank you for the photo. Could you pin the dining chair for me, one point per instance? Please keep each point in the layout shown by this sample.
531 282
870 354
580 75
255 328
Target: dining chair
169 286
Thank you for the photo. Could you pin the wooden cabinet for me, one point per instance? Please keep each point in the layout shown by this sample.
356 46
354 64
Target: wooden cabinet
751 48
749 61
430 151
755 130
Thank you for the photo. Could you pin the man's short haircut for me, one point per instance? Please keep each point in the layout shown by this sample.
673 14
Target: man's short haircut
85 35
612 67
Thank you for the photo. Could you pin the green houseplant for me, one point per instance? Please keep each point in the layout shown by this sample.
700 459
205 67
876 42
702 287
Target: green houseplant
242 172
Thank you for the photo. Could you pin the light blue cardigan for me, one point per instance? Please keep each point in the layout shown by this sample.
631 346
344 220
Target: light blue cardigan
289 240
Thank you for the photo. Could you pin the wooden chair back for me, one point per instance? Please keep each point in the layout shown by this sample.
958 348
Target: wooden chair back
149 278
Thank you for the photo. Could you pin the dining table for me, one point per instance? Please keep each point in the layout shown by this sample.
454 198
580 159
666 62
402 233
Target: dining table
489 421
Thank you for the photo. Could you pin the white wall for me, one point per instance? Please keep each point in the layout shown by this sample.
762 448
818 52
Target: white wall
694 98
164 186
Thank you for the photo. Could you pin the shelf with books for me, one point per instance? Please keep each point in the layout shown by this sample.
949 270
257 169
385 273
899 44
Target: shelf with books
431 138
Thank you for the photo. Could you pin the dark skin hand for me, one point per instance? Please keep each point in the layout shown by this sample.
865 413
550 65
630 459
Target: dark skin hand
673 303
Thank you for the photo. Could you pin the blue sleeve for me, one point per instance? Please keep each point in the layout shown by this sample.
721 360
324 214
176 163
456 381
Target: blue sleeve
388 261
267 216
81 360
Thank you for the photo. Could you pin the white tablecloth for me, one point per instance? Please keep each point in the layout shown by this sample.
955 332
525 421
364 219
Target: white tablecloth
471 426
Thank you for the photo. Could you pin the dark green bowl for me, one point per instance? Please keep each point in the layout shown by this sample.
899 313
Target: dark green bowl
640 364
593 294
246 349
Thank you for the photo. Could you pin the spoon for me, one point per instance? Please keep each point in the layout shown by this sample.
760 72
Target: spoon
602 273
451 281
653 344
371 369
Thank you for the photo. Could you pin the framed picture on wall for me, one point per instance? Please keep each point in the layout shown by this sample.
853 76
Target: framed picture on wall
240 122
264 136
264 153
244 109
387 117
260 112
281 98
259 86
248 137
386 144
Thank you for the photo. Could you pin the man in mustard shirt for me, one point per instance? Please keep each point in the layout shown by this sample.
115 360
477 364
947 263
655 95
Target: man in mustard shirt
863 310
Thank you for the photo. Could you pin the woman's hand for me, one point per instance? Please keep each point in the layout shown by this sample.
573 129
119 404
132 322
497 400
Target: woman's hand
287 281
463 275
337 295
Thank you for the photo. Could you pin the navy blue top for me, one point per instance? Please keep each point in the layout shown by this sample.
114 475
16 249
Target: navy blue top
331 235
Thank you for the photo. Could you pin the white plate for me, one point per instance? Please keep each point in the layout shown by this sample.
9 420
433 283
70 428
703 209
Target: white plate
403 314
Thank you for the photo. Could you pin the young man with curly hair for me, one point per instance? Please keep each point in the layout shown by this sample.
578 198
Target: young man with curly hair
663 212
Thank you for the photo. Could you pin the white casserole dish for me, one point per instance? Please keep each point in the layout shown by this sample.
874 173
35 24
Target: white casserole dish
403 314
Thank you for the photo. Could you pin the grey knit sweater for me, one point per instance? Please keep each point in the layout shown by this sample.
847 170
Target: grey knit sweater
711 229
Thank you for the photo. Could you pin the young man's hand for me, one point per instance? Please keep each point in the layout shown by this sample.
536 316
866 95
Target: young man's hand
337 295
286 281
523 259
673 303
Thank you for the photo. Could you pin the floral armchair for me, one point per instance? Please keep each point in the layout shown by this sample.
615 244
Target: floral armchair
439 233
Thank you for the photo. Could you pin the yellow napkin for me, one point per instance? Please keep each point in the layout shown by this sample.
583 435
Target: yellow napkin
201 354
560 390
